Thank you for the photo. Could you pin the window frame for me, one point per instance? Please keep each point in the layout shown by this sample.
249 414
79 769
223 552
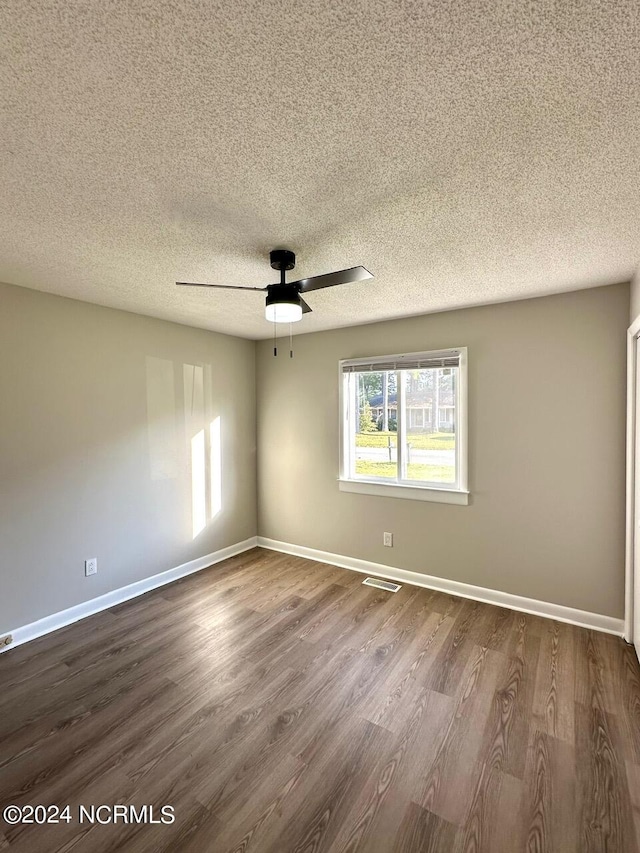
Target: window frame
456 493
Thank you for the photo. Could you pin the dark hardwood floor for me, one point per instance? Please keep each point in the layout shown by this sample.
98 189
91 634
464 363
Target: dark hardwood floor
281 707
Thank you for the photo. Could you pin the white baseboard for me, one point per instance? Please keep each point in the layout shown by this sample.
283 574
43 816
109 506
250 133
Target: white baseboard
582 618
559 612
117 596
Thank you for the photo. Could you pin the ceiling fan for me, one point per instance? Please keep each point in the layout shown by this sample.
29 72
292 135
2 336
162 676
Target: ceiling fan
284 303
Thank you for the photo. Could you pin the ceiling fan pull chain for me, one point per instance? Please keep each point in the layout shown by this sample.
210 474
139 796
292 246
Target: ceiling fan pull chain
275 345
290 342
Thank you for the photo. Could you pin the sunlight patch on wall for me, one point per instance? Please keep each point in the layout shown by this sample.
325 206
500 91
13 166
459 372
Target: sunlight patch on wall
215 464
203 433
193 377
198 483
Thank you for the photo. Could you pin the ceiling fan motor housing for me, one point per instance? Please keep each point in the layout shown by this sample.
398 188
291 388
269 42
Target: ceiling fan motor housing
282 259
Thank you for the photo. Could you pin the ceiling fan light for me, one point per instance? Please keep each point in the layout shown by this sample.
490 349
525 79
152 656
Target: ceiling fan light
283 304
283 312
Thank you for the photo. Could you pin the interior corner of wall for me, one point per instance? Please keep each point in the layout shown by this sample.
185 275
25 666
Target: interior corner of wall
634 296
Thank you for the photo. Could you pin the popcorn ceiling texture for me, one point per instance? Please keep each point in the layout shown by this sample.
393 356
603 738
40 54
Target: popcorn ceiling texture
464 152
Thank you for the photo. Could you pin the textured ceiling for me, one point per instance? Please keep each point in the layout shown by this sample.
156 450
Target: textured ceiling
464 152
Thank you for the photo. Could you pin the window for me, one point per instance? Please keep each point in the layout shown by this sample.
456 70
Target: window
403 426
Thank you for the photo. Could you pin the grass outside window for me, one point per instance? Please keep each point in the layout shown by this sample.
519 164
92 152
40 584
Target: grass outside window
432 441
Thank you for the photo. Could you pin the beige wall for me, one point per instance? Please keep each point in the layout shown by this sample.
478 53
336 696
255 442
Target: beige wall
97 411
98 408
546 455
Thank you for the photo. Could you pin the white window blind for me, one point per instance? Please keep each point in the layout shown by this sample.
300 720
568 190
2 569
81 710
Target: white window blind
410 361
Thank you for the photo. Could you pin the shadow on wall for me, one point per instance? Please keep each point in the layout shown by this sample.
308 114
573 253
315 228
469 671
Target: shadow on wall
184 429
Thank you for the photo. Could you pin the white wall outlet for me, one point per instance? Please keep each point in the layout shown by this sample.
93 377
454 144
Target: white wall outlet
91 566
388 540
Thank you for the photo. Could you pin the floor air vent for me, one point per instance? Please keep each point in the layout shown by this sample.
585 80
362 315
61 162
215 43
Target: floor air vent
390 587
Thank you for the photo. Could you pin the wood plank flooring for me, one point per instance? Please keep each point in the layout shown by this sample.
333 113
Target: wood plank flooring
281 707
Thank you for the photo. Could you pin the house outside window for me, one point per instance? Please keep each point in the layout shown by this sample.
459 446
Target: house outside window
403 425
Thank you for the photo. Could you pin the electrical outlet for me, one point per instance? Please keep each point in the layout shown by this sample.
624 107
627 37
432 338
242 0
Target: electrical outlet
91 566
6 641
388 539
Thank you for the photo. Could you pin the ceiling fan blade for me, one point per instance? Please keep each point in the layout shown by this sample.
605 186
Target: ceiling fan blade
332 278
223 286
304 306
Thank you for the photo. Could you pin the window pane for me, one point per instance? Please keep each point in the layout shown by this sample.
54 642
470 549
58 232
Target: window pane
430 424
375 451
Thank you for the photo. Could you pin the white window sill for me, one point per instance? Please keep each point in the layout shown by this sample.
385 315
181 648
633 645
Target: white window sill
413 493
